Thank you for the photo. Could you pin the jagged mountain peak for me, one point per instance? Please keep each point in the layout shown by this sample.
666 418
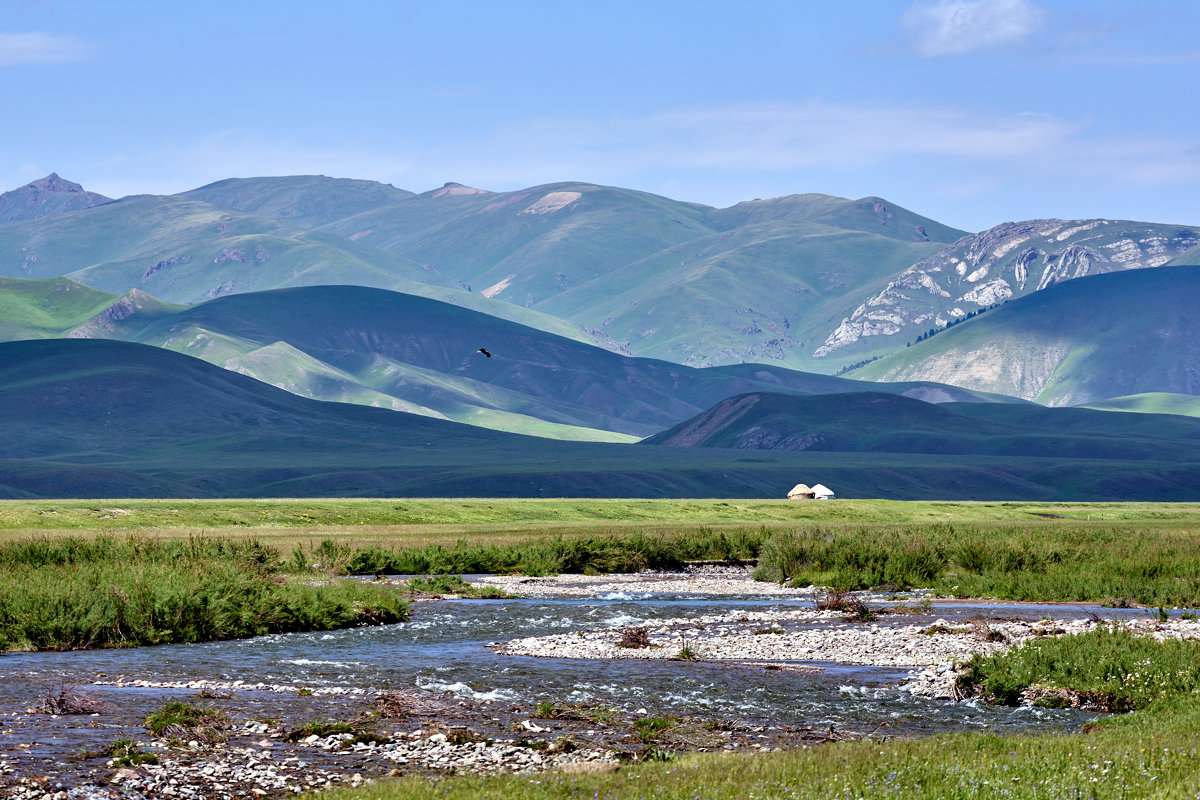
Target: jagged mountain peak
52 194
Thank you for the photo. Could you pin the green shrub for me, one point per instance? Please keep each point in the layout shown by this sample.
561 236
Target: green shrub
1107 669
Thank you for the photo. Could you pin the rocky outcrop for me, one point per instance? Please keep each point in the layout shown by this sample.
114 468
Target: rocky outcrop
128 305
452 189
46 196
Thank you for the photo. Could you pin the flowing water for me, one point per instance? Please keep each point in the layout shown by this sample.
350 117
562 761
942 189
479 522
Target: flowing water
443 650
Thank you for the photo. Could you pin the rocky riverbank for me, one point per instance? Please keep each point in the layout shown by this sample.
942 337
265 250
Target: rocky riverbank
795 638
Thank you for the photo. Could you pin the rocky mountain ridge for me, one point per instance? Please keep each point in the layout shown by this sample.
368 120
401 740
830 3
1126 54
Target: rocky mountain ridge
1007 261
45 196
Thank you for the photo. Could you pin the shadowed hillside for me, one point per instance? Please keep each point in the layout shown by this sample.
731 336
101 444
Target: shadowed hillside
83 418
872 422
411 353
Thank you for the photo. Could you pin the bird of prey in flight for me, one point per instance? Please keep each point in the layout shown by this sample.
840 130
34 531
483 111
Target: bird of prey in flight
485 352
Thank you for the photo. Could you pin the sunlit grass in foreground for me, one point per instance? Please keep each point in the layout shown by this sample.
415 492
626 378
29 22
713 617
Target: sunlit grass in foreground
1150 754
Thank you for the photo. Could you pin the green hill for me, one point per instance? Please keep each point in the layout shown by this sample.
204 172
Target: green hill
36 309
1151 403
306 201
883 423
1075 342
357 344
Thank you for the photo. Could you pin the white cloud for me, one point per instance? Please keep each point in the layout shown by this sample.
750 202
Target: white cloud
954 27
40 48
760 137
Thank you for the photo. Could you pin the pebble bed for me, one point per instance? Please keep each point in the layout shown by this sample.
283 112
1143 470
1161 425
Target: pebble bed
788 637
707 580
227 771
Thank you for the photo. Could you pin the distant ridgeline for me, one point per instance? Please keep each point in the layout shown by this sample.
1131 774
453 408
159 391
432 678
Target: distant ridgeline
809 282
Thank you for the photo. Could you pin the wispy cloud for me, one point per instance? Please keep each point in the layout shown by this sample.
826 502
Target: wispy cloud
40 48
954 27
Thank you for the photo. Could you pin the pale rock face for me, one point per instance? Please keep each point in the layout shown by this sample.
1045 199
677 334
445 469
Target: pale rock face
932 286
554 201
978 275
452 189
990 293
990 368
497 288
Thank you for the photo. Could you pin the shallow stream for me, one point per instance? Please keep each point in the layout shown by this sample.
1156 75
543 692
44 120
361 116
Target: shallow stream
443 650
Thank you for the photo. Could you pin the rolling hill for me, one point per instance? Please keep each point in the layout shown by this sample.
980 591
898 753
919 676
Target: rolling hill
88 418
1072 343
1151 403
410 353
882 423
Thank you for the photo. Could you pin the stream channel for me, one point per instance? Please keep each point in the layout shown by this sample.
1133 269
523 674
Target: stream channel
442 651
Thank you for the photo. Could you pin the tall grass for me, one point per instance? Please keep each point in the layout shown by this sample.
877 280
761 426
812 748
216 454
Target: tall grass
583 554
1109 669
76 593
1064 562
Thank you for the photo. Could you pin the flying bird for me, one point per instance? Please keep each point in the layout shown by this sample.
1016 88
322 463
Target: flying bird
485 352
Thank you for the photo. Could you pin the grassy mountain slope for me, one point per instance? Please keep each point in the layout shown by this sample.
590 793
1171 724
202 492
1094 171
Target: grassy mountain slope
114 419
1072 343
658 277
184 250
868 215
764 292
1151 403
34 309
306 201
872 422
1005 262
528 245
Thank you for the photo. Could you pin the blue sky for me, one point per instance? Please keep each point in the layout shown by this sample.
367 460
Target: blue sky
972 112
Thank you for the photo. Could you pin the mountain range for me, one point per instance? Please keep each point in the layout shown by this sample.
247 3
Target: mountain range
598 314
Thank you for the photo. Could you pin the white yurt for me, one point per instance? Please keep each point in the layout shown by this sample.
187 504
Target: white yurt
822 492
